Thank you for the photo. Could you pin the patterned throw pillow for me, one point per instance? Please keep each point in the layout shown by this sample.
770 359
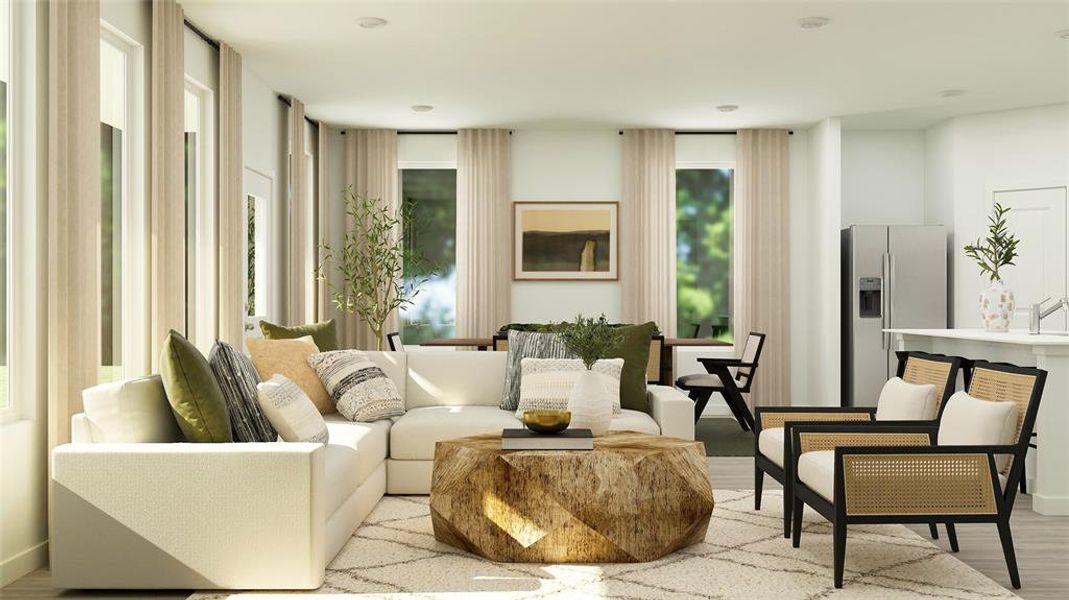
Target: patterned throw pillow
291 412
528 344
290 358
547 382
359 389
237 378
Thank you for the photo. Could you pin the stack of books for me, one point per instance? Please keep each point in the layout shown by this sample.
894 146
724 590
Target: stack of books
525 439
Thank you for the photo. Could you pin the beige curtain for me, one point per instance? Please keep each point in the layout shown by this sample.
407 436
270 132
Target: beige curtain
484 231
73 205
648 227
326 198
762 258
371 170
300 269
233 227
167 180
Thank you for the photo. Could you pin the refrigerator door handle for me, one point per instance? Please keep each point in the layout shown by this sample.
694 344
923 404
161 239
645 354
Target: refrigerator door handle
890 297
885 270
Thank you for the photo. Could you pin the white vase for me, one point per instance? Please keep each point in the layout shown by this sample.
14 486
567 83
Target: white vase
590 404
996 307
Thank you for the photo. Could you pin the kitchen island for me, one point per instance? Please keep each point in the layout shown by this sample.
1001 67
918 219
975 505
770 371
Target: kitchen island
1048 465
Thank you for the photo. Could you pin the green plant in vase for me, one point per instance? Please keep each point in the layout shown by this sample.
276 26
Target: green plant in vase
992 254
589 402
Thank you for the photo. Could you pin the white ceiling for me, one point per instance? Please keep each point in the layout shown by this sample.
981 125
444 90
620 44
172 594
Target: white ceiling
648 64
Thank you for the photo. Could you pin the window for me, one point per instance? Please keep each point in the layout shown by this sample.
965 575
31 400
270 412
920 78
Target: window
431 232
200 256
256 304
113 181
5 70
703 251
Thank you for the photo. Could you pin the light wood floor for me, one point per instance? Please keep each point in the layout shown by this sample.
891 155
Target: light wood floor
1042 548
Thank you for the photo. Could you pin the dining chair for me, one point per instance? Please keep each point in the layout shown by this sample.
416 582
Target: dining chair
394 340
722 377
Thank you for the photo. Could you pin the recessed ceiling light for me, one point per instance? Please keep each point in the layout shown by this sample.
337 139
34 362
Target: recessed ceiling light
371 22
728 107
951 93
813 22
422 108
1062 33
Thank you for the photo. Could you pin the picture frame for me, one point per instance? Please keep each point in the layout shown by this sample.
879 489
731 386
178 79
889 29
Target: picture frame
565 241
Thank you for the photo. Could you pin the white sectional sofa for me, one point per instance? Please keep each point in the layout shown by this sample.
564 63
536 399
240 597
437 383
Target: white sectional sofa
161 514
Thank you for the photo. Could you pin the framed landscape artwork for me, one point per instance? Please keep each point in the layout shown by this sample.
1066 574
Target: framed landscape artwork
565 241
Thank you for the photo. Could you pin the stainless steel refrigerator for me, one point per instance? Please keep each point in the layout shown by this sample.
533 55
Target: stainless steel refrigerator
893 276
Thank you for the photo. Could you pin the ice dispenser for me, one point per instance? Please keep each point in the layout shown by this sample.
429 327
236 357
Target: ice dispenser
869 301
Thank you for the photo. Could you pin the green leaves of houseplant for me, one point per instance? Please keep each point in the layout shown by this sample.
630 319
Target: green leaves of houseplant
590 339
998 249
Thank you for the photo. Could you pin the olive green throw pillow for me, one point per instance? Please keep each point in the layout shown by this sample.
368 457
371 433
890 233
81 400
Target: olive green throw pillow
194 394
635 350
325 333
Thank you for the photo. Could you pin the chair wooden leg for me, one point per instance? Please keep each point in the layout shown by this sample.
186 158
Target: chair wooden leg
701 399
952 537
1007 549
934 530
1024 479
796 523
840 552
787 508
758 486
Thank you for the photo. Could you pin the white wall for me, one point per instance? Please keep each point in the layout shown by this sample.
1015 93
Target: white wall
968 157
882 177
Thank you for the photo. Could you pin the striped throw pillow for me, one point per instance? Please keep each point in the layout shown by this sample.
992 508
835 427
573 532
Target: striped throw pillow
359 389
528 344
547 382
238 379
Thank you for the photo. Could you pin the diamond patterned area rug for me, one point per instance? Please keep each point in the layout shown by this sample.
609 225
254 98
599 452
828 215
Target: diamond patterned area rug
394 555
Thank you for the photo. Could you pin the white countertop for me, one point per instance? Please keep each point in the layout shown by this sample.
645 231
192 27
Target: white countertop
1014 336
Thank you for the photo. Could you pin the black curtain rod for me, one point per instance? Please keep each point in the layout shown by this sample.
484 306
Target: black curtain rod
287 102
201 34
713 132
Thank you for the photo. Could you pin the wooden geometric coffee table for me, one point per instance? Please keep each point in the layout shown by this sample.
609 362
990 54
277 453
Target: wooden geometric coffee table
634 498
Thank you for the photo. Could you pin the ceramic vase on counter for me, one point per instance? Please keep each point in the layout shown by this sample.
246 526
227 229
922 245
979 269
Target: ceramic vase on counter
590 404
996 307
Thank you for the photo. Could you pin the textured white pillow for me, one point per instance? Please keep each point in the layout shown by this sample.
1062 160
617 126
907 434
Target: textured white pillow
545 383
901 401
133 410
290 411
969 421
359 389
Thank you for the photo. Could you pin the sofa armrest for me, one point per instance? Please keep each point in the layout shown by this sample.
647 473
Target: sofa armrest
672 410
188 516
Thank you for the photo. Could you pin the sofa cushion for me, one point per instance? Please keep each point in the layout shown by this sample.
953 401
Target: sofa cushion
194 395
770 444
969 421
358 388
290 411
371 441
290 358
454 379
414 435
547 382
634 348
237 379
528 344
901 401
634 420
817 470
324 333
134 410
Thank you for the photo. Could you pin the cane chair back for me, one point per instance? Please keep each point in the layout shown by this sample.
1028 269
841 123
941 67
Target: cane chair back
394 340
1000 382
751 354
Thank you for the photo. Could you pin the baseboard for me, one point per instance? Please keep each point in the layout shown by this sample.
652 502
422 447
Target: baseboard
23 564
1050 505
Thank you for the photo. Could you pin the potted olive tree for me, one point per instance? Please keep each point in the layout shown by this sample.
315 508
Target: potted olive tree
370 263
589 402
993 253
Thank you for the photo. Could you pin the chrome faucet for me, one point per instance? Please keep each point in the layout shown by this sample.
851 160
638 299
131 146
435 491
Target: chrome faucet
1036 313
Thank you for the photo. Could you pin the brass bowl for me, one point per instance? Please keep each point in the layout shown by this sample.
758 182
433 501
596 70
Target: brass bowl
547 421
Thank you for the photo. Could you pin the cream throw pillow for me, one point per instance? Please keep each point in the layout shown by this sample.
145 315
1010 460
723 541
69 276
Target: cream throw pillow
969 421
545 383
290 411
290 358
901 401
